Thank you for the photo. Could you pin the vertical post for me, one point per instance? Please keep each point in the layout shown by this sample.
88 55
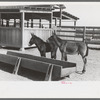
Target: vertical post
60 17
50 26
0 20
7 22
55 21
93 33
22 28
40 23
14 22
74 23
20 23
31 23
27 23
84 33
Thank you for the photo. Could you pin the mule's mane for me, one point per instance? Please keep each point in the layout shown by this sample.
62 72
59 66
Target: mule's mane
38 38
57 40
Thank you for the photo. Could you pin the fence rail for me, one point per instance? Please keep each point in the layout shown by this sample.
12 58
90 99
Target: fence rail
90 35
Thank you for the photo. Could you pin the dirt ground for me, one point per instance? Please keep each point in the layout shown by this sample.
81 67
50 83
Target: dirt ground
92 68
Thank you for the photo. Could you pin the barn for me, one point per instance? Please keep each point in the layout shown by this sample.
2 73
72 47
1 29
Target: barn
17 22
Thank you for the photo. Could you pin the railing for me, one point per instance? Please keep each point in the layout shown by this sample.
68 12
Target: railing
37 25
27 24
7 23
80 33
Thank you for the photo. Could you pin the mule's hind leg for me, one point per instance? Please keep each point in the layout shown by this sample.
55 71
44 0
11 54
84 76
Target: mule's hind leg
64 56
53 55
84 67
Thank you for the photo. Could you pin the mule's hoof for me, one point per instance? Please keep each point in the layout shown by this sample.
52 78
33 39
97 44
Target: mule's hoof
78 72
68 76
83 71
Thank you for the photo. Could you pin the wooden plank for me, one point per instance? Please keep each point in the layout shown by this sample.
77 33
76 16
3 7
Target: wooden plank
71 31
84 33
91 27
96 37
39 66
79 35
68 71
66 31
10 37
8 59
79 32
92 32
22 30
34 65
93 42
65 36
56 73
72 27
64 64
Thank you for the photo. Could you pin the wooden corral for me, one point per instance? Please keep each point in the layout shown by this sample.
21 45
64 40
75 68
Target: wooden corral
17 22
90 35
53 69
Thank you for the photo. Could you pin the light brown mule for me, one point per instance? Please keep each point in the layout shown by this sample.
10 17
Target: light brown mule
72 47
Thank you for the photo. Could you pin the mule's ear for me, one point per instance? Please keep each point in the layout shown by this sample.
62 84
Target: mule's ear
32 34
52 32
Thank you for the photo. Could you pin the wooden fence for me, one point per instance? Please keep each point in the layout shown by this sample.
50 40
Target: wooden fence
90 35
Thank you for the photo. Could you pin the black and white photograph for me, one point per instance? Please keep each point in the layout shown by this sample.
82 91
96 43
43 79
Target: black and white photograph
46 42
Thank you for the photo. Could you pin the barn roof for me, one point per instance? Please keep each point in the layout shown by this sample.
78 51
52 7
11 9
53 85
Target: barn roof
65 15
33 7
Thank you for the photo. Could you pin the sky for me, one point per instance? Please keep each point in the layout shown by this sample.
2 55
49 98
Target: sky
87 12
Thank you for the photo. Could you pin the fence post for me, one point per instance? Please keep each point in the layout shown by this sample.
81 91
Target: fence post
84 34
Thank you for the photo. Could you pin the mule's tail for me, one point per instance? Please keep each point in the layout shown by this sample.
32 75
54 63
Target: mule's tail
87 51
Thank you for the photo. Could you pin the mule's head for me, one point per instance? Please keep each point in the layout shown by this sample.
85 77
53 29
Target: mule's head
32 40
50 39
54 32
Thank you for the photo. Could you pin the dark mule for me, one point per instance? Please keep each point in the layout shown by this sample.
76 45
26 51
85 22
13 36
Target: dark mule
42 46
71 47
53 45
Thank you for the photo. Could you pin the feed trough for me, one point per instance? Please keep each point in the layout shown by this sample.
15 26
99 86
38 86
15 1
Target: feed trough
53 69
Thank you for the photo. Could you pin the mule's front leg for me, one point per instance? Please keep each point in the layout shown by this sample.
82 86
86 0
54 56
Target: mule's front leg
64 56
53 55
84 67
43 54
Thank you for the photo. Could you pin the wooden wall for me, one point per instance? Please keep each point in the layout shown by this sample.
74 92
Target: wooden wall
11 37
44 34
